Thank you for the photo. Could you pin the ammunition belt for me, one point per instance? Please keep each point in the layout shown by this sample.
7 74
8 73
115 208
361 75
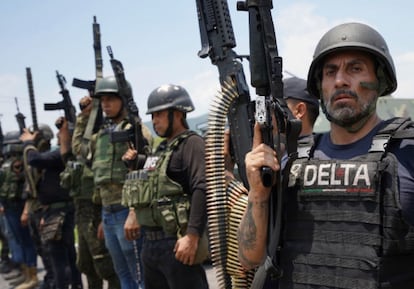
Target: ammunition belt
224 210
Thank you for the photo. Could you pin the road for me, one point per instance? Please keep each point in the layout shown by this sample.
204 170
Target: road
209 270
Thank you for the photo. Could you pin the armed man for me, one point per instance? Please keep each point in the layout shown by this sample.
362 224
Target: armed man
168 195
348 218
109 172
93 258
55 206
12 198
301 103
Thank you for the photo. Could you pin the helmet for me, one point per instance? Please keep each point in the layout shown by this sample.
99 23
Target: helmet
12 143
169 96
12 137
106 85
47 132
354 36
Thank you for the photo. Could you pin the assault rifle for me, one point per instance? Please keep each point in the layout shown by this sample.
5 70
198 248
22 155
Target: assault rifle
266 77
95 117
65 104
20 117
218 41
133 135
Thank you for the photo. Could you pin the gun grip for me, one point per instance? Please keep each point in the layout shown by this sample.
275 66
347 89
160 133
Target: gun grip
267 176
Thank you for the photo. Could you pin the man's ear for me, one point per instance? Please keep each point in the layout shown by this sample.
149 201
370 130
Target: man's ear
300 109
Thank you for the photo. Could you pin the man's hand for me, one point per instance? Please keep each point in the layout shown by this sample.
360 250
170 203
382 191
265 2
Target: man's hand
261 155
64 137
24 218
28 136
132 229
185 249
100 233
86 105
130 155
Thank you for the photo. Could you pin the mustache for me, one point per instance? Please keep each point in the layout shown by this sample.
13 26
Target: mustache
343 91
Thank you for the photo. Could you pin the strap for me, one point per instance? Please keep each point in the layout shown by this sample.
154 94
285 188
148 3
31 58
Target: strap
32 174
89 129
395 128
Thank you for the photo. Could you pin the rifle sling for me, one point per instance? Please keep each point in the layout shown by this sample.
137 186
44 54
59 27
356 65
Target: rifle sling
89 127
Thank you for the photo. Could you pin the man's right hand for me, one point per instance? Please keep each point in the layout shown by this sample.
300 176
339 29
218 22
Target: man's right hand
261 155
86 104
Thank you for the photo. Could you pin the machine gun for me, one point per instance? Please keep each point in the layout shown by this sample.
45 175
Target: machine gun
266 77
65 104
133 135
19 117
218 41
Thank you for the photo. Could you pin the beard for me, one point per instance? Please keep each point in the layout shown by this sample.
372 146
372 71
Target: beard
346 115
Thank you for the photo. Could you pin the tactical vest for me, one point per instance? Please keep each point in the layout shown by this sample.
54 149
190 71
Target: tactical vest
159 201
343 222
12 186
108 166
78 179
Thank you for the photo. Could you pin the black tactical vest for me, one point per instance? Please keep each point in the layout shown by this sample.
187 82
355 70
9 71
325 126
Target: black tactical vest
343 221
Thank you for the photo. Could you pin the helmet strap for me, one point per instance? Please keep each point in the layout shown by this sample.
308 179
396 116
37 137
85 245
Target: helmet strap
169 130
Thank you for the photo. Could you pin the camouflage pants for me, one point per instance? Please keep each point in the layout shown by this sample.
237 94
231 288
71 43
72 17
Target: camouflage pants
93 258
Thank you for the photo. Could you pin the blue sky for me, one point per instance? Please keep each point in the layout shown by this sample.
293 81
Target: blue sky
157 41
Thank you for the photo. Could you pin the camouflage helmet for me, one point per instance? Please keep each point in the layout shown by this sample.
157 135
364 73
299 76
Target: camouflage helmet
355 36
169 96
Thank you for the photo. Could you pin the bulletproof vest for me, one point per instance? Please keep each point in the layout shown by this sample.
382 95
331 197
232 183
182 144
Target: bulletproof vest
108 166
159 201
12 186
343 223
78 179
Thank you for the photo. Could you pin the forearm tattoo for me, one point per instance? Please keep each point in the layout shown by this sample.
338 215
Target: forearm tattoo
247 232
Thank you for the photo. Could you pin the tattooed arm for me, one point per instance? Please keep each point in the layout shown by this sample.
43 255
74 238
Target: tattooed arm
252 232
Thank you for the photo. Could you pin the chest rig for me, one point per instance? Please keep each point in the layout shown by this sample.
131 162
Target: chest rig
108 166
159 201
343 224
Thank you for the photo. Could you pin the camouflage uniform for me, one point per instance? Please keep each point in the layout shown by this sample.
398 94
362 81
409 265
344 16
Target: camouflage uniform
93 257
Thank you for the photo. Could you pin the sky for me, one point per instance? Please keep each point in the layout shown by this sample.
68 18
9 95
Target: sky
157 41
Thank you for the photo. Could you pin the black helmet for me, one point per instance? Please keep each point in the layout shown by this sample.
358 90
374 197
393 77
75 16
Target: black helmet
12 137
47 132
169 96
107 85
11 143
355 36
